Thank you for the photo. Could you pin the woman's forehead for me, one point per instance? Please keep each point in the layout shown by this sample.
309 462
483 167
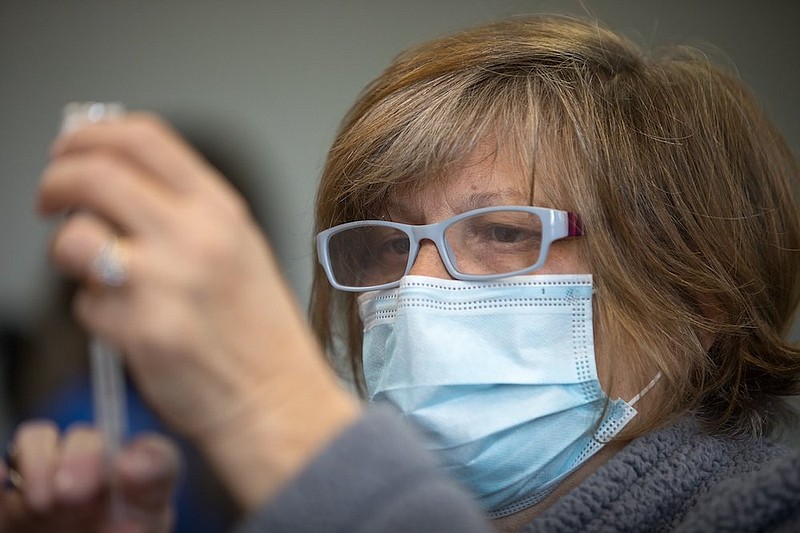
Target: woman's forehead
486 178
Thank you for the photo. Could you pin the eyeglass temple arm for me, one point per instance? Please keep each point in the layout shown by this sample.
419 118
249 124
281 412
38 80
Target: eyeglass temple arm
574 225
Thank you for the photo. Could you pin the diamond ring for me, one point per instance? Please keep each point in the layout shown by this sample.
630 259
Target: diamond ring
110 266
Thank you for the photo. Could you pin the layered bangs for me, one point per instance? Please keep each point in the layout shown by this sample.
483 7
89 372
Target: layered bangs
417 136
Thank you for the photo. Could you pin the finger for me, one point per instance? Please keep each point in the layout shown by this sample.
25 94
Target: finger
78 244
36 450
148 471
150 142
80 474
109 185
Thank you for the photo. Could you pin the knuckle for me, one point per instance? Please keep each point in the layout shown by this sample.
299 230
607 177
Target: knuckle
155 346
73 242
147 120
216 256
208 244
221 240
236 207
100 165
147 129
155 333
78 178
94 172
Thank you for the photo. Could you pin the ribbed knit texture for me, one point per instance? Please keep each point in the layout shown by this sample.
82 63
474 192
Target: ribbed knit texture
679 479
376 477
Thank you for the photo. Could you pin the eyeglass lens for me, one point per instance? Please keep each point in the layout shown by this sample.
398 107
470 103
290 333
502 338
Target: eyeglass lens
497 242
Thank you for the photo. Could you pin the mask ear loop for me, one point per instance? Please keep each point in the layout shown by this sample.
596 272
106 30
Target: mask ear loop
630 403
645 390
649 386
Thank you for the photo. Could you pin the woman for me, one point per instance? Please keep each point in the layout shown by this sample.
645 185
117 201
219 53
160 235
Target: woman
573 266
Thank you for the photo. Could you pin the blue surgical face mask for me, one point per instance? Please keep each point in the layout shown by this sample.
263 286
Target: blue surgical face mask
499 375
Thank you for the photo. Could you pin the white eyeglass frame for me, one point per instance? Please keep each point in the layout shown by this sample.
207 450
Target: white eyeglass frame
556 225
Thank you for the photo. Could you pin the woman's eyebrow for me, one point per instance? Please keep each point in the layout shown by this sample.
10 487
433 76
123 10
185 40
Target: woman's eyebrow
493 198
395 209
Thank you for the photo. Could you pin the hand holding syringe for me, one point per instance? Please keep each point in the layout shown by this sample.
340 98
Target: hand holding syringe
108 385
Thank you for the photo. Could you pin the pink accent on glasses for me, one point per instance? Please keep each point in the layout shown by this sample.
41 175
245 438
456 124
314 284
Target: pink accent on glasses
575 225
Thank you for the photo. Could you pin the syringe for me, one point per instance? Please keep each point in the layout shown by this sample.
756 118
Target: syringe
108 380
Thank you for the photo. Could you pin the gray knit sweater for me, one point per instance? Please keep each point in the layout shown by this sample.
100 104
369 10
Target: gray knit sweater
376 477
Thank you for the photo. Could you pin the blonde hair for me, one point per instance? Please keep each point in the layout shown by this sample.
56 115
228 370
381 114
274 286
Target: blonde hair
686 190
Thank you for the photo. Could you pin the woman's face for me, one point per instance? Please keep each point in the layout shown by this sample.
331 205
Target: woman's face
486 179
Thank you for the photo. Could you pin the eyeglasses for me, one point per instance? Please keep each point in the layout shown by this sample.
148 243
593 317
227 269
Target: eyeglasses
482 244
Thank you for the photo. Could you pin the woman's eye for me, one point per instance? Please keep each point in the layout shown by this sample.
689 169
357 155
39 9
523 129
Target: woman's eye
507 234
396 246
